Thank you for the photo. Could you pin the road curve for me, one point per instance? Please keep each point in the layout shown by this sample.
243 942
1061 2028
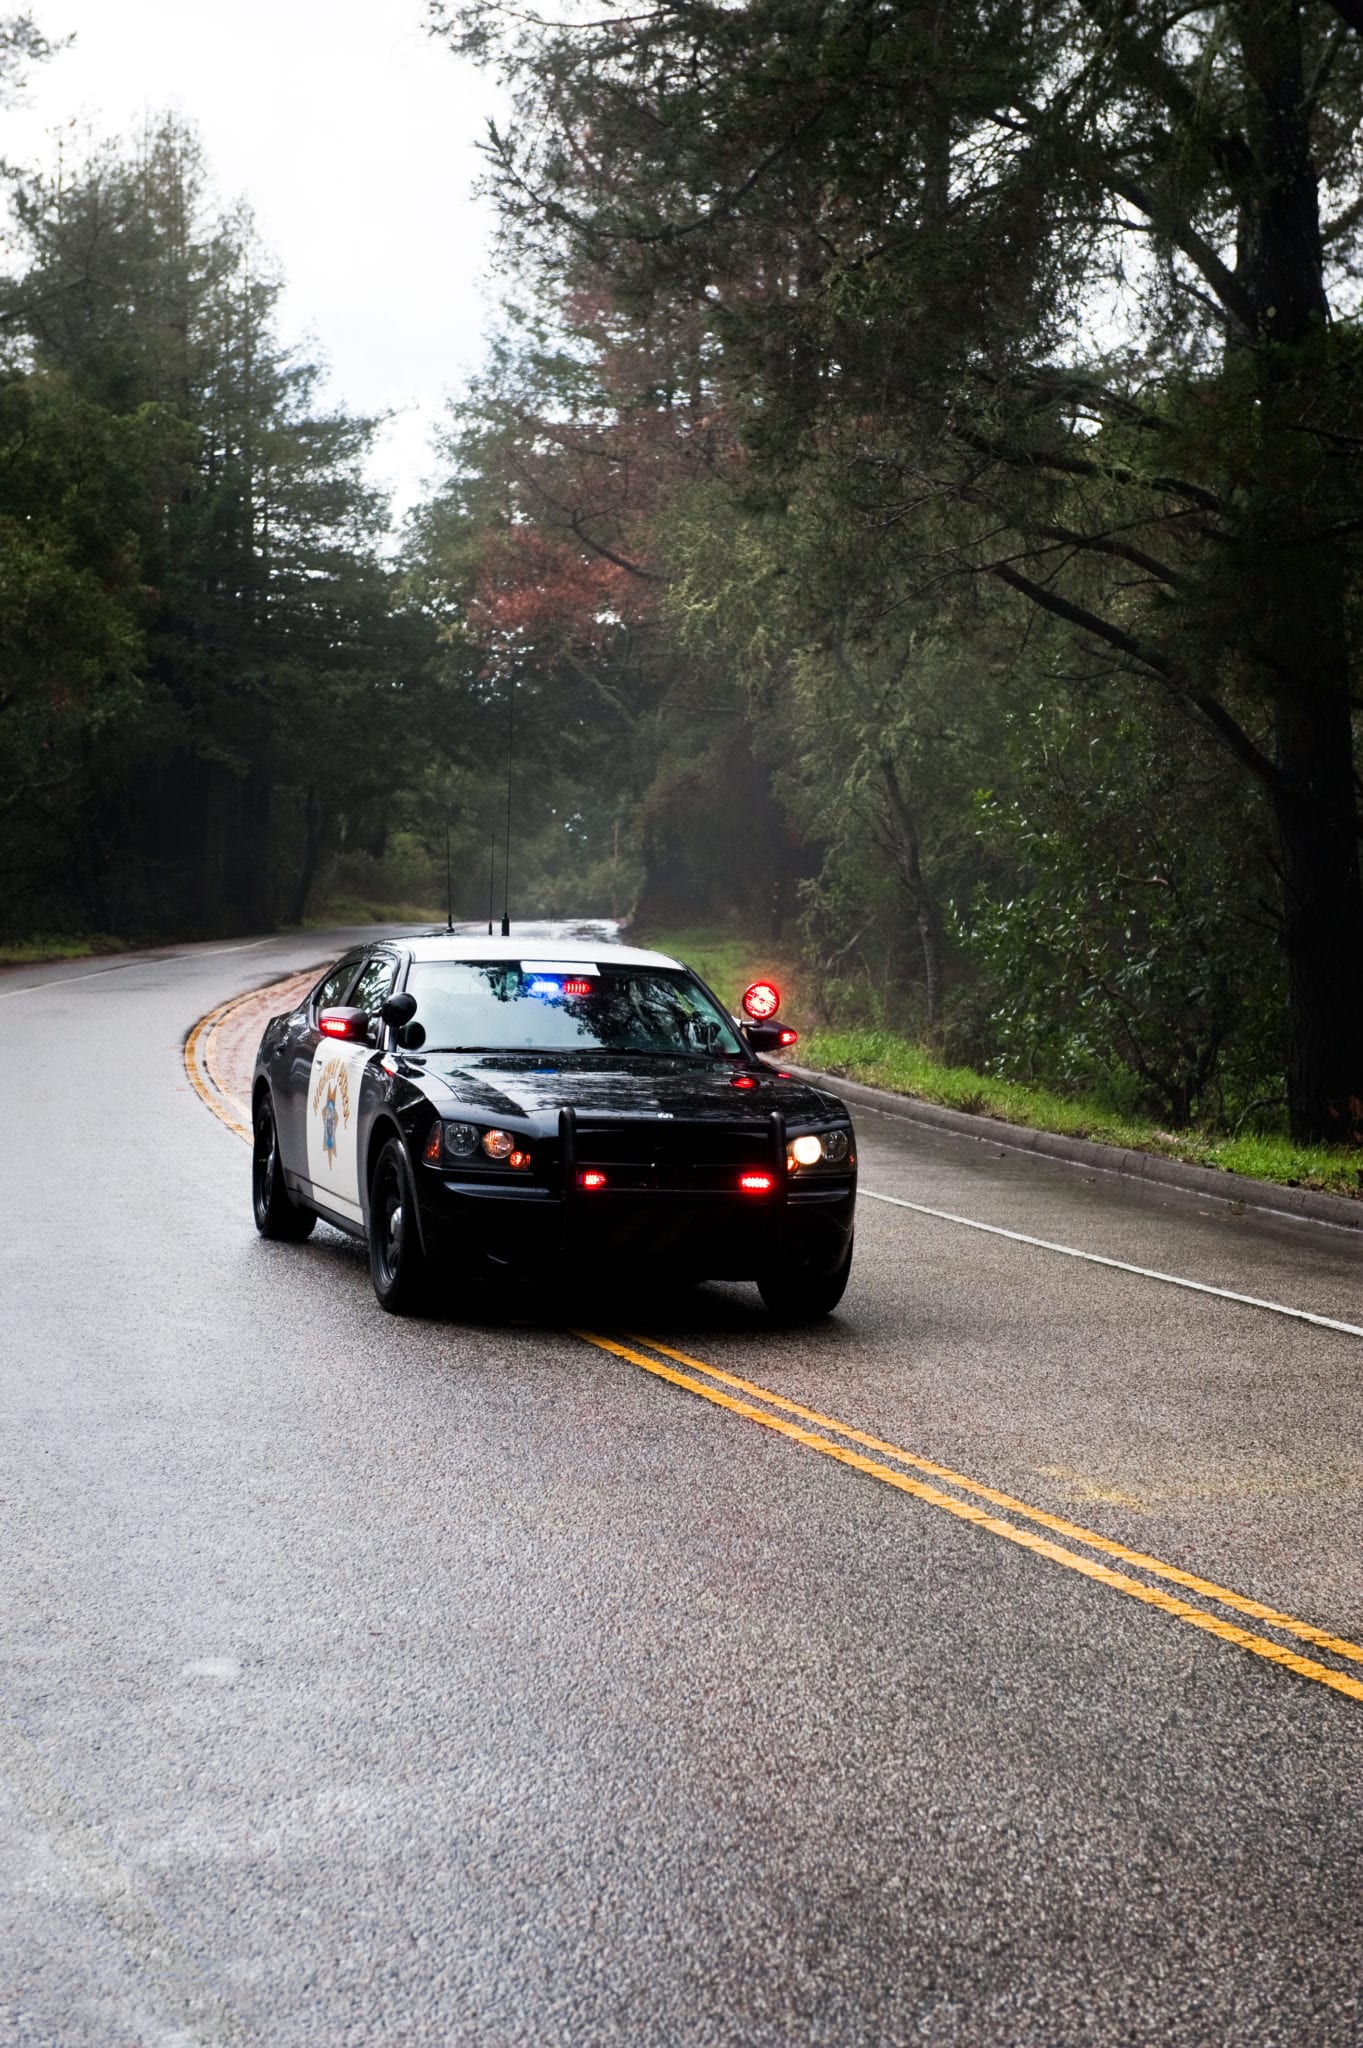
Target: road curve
979 1668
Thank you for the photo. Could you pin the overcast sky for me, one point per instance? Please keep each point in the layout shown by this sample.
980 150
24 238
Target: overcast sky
351 134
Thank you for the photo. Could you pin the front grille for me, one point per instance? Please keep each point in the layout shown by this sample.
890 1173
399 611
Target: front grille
677 1157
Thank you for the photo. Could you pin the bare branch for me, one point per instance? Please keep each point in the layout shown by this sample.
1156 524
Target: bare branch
1206 710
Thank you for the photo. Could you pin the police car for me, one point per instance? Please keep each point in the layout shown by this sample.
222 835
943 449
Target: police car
568 1109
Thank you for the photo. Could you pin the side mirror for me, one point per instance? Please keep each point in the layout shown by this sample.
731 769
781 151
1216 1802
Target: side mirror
399 1010
770 1037
350 1026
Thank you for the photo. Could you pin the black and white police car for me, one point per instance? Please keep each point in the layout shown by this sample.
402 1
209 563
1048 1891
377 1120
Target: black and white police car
568 1108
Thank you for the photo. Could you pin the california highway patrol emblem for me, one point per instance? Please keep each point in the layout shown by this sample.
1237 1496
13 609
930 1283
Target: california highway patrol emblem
331 1099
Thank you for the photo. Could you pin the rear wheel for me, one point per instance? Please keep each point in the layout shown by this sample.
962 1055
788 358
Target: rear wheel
397 1263
795 1295
277 1215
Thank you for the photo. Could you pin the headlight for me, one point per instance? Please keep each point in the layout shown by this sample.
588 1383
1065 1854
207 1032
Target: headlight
461 1142
818 1148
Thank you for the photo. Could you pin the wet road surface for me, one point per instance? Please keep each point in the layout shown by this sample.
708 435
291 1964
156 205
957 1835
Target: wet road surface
464 1681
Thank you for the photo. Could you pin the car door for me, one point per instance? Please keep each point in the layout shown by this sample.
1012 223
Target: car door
291 1065
332 1115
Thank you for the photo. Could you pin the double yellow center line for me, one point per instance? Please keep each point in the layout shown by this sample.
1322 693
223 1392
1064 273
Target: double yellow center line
202 1072
830 1438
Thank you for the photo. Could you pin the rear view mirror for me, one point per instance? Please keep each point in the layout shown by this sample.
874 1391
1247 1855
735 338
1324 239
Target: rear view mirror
350 1026
399 1010
770 1037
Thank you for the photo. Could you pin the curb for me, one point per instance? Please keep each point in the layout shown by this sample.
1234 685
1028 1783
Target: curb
199 1053
1300 1204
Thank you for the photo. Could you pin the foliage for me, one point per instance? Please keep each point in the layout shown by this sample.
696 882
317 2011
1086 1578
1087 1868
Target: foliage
209 687
1131 936
1058 297
884 1059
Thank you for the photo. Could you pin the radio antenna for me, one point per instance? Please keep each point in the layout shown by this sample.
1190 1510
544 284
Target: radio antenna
449 886
491 879
506 861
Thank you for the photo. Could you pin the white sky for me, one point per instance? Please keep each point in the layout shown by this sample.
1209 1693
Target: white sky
353 137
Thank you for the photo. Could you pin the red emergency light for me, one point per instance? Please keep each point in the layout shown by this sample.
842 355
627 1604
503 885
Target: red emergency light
590 1178
761 999
756 1183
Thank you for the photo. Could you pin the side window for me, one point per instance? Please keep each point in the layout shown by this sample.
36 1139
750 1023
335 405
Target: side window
374 983
330 994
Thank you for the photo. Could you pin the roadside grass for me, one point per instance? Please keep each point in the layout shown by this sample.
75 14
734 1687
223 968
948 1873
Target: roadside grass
52 946
887 1059
883 1059
727 960
348 910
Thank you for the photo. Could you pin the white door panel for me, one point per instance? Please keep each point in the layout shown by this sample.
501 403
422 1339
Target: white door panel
332 1118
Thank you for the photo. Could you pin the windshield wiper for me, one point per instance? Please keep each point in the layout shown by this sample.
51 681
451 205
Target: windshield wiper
613 1052
643 1052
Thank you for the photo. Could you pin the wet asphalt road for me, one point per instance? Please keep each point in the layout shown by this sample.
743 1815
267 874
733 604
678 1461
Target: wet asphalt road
457 1682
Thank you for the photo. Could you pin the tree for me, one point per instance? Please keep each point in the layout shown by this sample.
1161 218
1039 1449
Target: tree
273 697
1062 294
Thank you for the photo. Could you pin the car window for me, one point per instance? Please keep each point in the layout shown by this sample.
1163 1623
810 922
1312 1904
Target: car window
505 1006
374 983
330 993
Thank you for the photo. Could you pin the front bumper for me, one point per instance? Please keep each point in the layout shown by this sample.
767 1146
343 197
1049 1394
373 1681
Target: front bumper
704 1236
671 1201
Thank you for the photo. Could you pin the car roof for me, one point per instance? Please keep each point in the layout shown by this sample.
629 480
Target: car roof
455 946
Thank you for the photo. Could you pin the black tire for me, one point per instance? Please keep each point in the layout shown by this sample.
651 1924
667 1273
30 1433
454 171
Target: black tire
397 1262
277 1214
796 1296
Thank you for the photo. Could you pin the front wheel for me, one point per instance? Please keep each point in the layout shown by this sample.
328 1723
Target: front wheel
277 1214
796 1296
397 1263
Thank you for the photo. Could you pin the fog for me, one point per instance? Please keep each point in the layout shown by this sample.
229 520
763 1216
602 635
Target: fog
352 135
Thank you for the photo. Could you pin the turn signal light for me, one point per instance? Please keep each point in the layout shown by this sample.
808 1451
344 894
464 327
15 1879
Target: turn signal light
788 1037
743 1081
518 1159
432 1153
590 1178
756 1183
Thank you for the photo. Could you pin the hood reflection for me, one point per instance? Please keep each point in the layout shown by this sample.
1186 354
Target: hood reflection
540 1084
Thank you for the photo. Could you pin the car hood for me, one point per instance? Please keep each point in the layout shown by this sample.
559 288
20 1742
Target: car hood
534 1087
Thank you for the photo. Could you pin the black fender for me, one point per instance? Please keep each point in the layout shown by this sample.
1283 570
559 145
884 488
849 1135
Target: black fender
385 1126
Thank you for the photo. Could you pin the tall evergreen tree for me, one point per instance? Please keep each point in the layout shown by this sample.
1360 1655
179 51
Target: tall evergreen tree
273 691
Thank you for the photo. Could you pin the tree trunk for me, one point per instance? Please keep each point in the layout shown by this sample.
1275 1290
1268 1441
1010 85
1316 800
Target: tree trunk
312 848
1322 919
909 863
1297 592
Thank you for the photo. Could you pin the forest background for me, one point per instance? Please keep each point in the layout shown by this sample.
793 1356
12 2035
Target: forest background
912 512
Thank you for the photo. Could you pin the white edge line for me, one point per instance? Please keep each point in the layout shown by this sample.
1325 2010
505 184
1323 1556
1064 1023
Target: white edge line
58 981
1069 1251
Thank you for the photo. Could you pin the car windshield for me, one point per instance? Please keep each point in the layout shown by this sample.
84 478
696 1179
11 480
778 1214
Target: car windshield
513 1006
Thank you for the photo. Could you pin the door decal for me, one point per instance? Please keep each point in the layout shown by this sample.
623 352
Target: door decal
331 1093
333 1126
